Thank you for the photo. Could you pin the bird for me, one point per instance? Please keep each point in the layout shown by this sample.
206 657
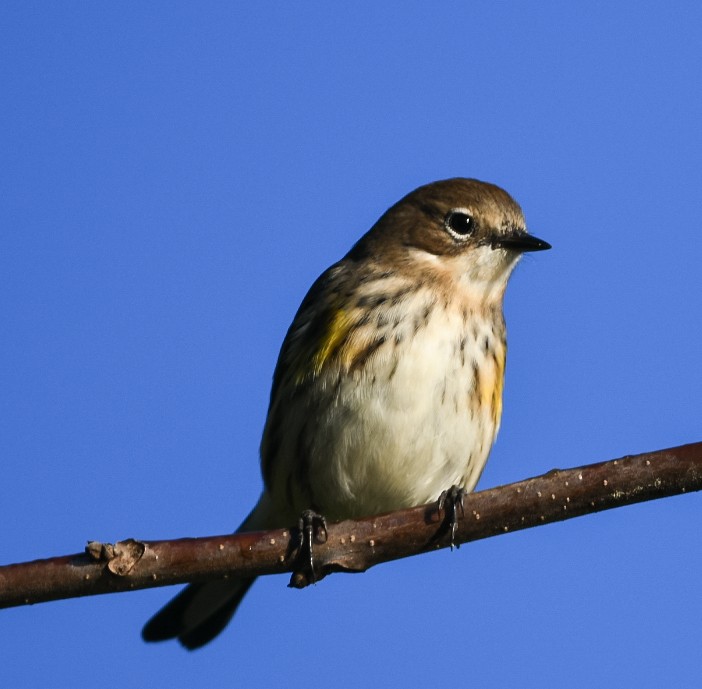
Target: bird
388 386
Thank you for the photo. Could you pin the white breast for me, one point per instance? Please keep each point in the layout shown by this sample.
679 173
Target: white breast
405 426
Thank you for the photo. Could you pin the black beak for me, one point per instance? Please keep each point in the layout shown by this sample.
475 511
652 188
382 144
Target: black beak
520 241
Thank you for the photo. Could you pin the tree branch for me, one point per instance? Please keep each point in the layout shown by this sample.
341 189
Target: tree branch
354 546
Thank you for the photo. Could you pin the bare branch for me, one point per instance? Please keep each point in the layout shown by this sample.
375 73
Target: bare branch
356 545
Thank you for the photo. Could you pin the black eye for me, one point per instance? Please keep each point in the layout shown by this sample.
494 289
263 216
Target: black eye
459 224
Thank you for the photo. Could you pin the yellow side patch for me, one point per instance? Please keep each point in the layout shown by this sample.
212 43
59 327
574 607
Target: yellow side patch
311 357
338 329
338 343
492 381
499 386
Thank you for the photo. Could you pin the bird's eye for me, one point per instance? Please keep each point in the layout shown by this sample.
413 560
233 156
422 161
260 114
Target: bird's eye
459 224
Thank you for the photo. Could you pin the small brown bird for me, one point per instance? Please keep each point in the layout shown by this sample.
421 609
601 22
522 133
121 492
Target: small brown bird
388 387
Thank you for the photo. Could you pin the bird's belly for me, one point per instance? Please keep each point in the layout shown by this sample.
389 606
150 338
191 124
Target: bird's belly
402 430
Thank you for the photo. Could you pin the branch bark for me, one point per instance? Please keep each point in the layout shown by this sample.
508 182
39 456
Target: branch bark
354 546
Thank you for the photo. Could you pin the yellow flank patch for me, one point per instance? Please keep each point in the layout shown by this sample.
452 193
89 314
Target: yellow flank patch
337 330
492 380
337 342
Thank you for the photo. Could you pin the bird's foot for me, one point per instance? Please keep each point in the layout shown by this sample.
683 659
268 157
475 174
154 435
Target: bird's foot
312 528
450 502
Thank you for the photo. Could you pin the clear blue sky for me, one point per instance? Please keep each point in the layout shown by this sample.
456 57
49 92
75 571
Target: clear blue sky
173 178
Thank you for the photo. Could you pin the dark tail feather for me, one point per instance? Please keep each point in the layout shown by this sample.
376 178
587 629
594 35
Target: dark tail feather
201 611
198 613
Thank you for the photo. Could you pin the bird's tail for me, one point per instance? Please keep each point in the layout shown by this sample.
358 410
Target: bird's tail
198 613
201 611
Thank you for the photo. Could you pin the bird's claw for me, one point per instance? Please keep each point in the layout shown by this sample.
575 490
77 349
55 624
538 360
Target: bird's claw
450 502
312 527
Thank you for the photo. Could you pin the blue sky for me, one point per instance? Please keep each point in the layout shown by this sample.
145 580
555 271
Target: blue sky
176 175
